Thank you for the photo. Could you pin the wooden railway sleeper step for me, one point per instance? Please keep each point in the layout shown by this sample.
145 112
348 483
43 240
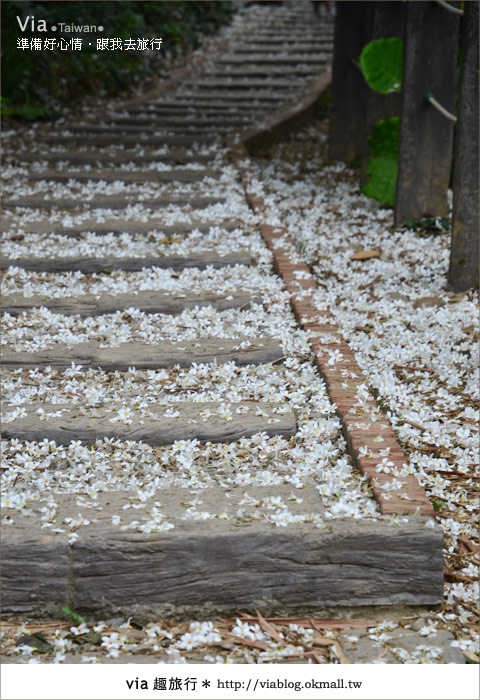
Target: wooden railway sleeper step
155 424
128 140
152 302
143 129
99 157
118 227
89 265
125 175
36 202
242 351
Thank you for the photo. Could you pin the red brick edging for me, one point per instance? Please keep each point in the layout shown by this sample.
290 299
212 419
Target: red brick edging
367 431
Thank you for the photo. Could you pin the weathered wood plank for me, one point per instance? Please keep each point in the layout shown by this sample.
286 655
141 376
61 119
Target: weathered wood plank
112 202
242 351
125 175
464 253
353 28
250 84
99 157
210 116
217 566
118 227
195 421
144 130
256 71
152 302
261 59
213 107
89 265
426 136
133 140
255 97
36 575
146 117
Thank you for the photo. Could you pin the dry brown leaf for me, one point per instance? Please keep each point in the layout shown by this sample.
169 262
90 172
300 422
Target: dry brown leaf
414 369
334 623
317 623
415 425
247 642
366 254
322 641
49 626
470 655
270 629
453 576
340 654
468 544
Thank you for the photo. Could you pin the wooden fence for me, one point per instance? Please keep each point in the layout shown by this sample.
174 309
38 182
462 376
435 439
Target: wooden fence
432 34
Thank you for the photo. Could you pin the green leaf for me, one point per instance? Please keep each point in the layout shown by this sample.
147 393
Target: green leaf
382 167
384 138
437 505
381 63
383 179
75 616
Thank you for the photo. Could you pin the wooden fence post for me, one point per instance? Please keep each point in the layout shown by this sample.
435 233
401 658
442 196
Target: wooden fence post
353 25
388 21
464 253
426 136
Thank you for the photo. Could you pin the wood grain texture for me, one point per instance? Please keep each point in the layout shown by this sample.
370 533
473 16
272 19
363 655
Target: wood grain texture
148 356
353 29
150 425
90 265
118 227
99 157
426 136
125 175
215 565
35 202
145 139
150 302
464 252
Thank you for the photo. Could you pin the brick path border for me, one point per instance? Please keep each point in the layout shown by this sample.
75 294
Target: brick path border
366 429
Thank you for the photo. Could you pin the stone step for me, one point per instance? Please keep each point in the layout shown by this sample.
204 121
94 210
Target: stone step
118 227
125 175
242 351
99 157
207 422
141 139
216 564
153 302
113 202
110 263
